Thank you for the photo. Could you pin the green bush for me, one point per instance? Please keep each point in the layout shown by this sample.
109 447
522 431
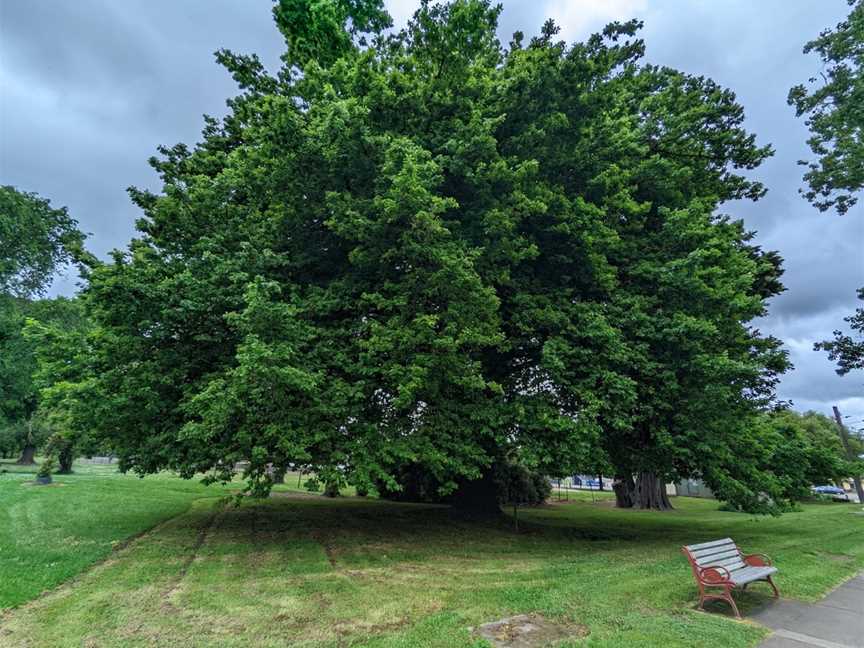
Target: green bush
519 485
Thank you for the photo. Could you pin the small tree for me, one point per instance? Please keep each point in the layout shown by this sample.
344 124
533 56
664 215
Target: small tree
43 475
518 486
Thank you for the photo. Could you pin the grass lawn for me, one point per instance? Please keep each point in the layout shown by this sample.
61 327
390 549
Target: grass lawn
302 570
50 533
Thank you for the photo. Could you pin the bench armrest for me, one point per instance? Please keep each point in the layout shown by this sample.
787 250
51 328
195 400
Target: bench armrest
715 575
757 560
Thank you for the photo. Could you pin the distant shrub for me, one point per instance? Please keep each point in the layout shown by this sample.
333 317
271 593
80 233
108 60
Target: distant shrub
47 467
522 486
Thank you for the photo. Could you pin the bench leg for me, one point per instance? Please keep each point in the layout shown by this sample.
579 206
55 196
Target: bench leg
725 596
729 598
774 587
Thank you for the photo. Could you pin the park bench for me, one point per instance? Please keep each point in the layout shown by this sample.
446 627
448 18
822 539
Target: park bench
719 567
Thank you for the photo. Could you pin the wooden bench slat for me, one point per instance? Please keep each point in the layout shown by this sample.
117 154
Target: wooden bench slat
713 543
714 547
716 558
714 550
730 563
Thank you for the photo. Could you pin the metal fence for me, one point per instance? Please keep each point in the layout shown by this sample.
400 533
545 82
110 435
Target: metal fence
97 461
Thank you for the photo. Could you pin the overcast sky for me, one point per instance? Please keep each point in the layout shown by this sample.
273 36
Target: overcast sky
89 88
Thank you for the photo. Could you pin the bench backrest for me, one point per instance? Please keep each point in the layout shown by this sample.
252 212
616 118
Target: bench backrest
718 553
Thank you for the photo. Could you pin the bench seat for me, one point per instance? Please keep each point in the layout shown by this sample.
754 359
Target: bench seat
746 575
719 567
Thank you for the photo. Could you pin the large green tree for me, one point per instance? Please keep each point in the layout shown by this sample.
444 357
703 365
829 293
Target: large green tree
426 252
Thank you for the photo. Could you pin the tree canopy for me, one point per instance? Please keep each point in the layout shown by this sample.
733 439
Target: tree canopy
427 251
832 106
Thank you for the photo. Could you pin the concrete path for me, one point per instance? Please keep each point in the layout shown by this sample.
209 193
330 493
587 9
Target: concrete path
837 621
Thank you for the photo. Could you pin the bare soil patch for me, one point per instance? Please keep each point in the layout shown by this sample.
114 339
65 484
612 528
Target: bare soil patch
529 631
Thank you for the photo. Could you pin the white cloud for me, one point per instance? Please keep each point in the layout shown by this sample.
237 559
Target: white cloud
401 11
579 18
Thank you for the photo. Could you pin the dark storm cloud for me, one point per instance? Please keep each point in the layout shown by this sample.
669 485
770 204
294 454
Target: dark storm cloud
90 88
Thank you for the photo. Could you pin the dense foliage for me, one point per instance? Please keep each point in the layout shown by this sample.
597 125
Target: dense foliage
810 448
426 251
832 106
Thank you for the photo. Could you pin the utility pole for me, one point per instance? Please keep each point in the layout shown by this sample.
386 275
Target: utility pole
844 438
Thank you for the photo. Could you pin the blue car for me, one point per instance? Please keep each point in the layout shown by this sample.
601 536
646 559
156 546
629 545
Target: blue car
585 483
829 490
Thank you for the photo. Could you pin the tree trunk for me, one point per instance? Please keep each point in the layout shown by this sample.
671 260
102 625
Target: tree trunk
600 482
331 489
477 498
650 493
624 488
28 455
64 459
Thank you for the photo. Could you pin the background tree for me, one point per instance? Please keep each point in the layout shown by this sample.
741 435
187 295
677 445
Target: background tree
832 104
36 241
811 443
847 350
18 397
836 122
425 253
27 421
58 333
